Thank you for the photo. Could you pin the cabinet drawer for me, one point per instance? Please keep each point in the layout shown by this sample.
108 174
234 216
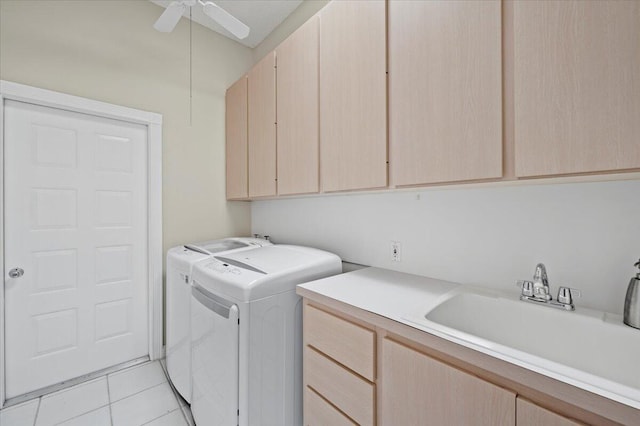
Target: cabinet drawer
351 394
318 412
349 344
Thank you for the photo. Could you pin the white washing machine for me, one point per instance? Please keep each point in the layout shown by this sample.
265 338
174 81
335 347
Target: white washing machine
180 261
247 334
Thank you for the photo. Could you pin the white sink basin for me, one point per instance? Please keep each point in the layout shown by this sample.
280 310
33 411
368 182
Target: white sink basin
584 345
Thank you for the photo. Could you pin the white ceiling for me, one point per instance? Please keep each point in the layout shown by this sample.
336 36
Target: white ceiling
262 16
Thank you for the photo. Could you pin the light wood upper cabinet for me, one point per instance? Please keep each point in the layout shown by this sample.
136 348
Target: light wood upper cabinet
297 106
445 91
353 101
236 140
419 390
262 127
530 414
577 86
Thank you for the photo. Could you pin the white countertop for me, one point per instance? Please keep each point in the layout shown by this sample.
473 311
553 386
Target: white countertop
384 292
400 297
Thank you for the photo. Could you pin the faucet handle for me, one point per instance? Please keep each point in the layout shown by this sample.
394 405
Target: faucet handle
566 295
526 286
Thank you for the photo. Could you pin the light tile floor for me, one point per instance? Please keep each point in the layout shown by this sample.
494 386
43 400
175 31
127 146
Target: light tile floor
136 396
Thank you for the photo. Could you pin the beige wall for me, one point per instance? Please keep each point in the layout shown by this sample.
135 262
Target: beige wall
108 50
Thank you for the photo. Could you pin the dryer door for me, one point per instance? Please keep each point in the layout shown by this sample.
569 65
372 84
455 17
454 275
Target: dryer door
215 340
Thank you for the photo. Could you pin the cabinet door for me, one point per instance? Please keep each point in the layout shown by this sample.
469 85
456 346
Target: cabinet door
236 140
419 390
353 101
445 91
262 127
577 86
530 414
297 106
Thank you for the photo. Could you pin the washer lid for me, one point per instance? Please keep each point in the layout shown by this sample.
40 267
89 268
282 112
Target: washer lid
226 244
261 272
216 246
276 259
183 257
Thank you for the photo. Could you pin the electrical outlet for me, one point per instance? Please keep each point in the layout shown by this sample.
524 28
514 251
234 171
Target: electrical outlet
396 251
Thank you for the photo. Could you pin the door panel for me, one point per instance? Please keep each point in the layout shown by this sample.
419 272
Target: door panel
76 222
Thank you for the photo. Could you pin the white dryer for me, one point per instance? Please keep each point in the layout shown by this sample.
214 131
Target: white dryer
247 334
180 261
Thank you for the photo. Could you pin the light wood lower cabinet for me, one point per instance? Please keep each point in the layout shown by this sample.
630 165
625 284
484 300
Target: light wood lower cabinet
352 345
319 412
530 414
361 368
352 394
339 370
420 390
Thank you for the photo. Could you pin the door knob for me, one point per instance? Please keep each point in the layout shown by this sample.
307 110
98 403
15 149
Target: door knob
16 273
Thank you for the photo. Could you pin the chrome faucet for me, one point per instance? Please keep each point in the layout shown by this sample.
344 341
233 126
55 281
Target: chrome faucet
537 291
541 284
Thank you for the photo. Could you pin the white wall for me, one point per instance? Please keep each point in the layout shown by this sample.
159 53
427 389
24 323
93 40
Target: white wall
108 50
587 234
299 16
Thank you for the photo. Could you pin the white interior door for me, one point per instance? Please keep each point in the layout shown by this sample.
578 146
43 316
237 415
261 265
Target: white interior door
76 224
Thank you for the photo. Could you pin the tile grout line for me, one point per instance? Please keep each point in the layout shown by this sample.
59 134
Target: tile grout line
109 398
176 394
159 417
166 380
109 403
35 419
80 415
97 379
131 368
139 392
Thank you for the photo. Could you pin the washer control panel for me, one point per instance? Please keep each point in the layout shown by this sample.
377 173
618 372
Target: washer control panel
223 268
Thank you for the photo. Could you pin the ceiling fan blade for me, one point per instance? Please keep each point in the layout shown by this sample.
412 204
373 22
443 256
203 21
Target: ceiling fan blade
227 20
170 17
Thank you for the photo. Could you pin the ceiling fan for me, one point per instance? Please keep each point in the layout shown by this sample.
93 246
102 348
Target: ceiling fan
170 17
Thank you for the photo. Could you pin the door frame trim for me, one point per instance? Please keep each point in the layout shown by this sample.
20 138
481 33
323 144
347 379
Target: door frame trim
153 121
